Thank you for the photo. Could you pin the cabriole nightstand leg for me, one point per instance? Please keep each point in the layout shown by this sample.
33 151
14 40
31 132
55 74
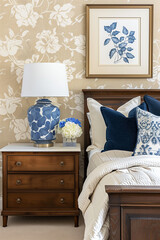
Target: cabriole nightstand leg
5 219
76 221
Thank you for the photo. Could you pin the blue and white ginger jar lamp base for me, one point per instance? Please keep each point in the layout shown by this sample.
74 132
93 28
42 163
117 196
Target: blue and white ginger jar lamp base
43 118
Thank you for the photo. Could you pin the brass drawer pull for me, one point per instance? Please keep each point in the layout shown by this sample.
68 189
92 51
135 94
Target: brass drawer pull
62 163
18 200
62 181
18 182
62 200
18 164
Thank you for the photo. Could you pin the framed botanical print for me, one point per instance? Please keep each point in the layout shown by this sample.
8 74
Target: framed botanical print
119 41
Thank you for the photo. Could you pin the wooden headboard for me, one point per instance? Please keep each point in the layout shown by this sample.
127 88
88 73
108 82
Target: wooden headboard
112 98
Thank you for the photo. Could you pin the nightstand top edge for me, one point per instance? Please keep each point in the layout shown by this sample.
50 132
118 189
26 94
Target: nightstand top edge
28 147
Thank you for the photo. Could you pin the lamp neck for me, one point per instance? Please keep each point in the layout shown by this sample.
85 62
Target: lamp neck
43 101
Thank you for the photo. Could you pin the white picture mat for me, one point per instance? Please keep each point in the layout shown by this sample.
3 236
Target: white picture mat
95 14
132 24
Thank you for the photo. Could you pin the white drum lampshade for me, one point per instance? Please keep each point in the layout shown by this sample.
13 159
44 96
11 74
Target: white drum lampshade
39 80
44 79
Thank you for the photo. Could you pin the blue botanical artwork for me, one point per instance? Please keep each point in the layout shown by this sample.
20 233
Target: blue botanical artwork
120 42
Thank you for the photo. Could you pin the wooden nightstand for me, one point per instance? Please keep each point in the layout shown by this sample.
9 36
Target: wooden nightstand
40 181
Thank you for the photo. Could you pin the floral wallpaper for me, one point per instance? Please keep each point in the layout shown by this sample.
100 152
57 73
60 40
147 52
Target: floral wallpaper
52 31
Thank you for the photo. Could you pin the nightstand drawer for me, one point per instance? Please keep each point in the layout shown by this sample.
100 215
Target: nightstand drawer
41 181
40 200
41 163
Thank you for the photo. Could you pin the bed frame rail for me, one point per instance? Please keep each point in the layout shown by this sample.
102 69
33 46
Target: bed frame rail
134 212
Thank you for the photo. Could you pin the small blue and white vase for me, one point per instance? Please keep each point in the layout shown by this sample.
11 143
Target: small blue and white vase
43 118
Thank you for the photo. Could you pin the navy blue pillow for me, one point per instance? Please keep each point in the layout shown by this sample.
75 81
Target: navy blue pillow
153 105
121 133
133 112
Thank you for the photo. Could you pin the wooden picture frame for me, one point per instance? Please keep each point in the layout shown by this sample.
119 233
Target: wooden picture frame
119 41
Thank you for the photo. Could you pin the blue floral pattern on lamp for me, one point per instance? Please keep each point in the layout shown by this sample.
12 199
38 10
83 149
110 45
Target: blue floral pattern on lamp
148 139
43 117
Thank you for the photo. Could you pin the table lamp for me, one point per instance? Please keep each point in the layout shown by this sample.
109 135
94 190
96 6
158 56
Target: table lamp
39 80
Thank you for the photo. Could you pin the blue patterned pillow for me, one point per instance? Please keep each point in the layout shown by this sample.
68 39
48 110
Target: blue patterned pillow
148 137
133 112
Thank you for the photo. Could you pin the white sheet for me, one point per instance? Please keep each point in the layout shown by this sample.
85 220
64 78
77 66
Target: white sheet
113 154
92 164
93 200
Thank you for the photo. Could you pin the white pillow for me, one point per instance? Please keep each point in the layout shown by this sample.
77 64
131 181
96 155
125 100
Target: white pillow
90 130
128 106
98 126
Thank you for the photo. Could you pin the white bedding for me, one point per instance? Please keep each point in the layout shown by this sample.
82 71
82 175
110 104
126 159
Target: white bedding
95 162
93 201
92 164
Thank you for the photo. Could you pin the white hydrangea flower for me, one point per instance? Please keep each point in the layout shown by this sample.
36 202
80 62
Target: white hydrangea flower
71 130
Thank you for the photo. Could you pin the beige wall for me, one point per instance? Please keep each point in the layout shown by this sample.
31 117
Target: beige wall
49 31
